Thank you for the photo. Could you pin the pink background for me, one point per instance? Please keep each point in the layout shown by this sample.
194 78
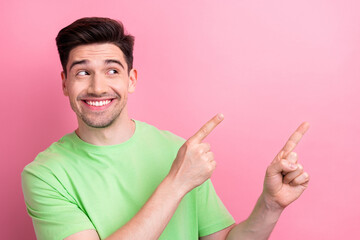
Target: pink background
267 65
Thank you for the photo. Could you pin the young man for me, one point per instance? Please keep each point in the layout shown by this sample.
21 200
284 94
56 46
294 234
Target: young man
118 178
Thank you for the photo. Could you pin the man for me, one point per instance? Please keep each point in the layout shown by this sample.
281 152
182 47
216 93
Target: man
117 178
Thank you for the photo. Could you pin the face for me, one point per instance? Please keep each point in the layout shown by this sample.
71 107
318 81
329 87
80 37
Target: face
98 83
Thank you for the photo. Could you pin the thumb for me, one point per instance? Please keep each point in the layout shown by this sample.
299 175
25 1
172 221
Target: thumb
280 166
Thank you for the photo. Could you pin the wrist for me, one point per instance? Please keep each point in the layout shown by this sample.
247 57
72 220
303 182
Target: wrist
270 205
173 187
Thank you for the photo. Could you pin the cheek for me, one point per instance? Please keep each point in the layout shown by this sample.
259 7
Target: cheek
120 87
73 91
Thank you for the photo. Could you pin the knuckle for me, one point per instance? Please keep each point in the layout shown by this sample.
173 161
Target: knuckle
283 162
205 147
204 158
293 155
204 131
300 167
306 176
280 155
200 150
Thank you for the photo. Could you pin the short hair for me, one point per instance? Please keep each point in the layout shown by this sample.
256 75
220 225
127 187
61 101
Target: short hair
91 30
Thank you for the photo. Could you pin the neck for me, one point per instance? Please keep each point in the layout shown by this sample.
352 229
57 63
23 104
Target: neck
118 132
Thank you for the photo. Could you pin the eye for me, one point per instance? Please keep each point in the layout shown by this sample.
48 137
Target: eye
112 72
82 73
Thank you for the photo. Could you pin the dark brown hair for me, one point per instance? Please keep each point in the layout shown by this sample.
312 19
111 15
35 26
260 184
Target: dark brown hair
94 30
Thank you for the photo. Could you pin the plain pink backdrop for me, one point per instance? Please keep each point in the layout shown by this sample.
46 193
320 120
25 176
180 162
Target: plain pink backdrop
267 65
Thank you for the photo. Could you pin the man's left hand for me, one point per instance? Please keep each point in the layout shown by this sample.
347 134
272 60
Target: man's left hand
285 178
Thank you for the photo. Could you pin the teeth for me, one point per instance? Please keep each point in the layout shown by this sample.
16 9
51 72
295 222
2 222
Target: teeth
98 103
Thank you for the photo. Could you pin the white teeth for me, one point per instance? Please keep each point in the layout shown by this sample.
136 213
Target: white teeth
98 103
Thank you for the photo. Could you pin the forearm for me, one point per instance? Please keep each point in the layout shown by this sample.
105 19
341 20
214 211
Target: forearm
259 224
153 217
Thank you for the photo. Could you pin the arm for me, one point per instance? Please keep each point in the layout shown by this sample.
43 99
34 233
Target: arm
193 165
258 225
153 217
285 181
150 221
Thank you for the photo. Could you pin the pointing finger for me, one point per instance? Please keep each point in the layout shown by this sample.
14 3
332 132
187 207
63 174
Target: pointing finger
205 130
294 139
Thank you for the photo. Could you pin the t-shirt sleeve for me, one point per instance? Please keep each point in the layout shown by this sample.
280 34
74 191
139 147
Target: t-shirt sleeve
212 214
54 213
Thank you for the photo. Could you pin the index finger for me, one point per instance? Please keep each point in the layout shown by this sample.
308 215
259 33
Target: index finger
205 130
295 139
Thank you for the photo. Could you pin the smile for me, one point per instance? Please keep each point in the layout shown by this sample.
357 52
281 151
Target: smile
98 103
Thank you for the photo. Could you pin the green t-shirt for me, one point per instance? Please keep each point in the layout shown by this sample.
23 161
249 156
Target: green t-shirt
74 186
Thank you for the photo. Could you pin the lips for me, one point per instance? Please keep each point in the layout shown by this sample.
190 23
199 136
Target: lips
97 104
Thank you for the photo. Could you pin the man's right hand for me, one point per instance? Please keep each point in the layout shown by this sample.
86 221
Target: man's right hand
194 163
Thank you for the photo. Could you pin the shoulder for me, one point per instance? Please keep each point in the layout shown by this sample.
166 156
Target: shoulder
151 132
47 161
46 176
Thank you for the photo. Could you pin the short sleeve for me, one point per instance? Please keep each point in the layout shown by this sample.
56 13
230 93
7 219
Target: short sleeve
212 214
54 213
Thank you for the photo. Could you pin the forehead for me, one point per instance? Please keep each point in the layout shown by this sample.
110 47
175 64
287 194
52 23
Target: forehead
96 53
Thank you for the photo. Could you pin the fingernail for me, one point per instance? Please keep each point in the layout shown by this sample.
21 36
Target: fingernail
220 116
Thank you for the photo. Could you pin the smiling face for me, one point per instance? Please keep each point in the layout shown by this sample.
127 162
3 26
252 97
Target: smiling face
98 83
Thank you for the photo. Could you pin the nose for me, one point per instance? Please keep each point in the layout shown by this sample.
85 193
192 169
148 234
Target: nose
97 85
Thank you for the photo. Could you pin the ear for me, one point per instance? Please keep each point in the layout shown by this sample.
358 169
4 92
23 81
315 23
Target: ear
132 80
63 78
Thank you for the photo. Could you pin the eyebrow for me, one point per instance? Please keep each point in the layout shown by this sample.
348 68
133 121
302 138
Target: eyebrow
107 61
78 63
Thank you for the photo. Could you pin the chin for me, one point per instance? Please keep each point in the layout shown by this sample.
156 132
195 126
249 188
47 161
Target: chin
97 122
